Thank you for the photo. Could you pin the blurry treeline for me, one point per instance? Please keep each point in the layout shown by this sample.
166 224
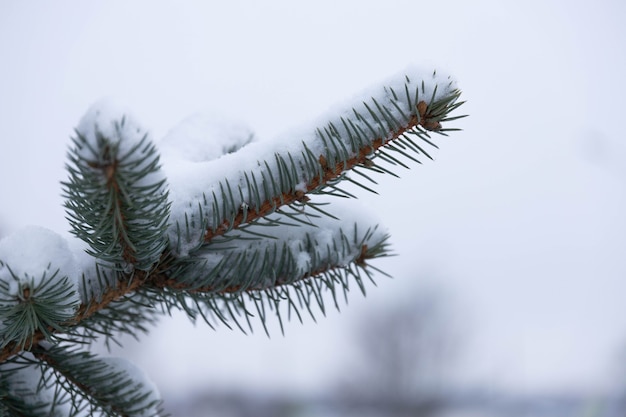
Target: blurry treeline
404 354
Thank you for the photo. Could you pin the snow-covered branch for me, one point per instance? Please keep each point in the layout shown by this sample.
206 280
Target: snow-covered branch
222 230
384 125
116 199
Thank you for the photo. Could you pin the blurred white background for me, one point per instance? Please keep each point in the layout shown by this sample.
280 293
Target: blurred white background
518 225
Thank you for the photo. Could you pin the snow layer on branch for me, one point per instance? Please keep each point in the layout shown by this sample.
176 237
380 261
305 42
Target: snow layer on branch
205 193
33 254
201 138
412 77
103 119
107 121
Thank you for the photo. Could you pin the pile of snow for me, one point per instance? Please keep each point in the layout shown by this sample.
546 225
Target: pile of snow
33 254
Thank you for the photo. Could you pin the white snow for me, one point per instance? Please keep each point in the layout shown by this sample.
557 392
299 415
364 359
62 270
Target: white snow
33 253
201 137
107 119
90 284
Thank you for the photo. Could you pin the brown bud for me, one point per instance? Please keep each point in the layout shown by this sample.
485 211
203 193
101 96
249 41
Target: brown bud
301 196
421 108
431 125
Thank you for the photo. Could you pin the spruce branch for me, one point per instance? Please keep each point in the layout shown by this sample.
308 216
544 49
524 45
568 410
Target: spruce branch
381 131
116 199
86 310
109 314
43 307
117 202
110 386
257 234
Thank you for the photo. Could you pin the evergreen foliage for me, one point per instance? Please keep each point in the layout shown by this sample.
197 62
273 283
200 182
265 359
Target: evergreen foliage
249 242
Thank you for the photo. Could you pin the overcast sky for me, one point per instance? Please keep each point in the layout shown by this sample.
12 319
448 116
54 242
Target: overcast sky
519 220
